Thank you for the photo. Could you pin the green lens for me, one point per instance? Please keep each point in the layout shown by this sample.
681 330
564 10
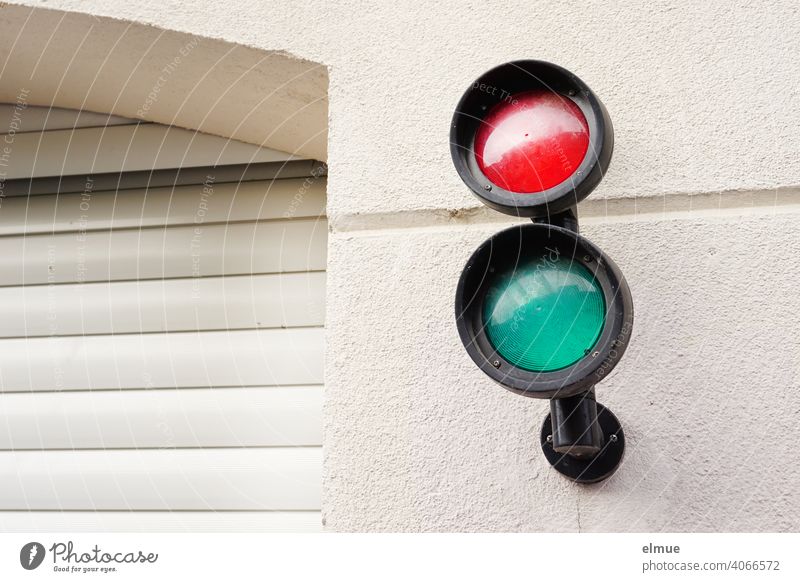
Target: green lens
545 313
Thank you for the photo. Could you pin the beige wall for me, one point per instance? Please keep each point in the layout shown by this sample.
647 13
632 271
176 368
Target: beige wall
699 209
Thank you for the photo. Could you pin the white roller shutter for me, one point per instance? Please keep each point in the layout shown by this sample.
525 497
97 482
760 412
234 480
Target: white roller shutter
161 330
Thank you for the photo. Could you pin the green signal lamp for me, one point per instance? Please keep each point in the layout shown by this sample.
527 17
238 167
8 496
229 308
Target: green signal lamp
540 309
544 314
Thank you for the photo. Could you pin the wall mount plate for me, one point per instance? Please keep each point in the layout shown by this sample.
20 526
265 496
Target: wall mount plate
594 469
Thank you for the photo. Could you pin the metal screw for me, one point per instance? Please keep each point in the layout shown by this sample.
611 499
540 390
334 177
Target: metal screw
595 354
549 438
571 92
496 363
613 438
487 187
587 258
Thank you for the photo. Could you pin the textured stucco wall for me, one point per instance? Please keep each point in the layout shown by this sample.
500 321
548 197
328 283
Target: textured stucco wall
700 209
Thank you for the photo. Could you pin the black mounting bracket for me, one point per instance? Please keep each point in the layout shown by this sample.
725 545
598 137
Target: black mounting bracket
580 438
567 219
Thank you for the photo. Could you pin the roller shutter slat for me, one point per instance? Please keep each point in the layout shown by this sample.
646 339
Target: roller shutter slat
184 251
262 301
272 357
246 201
109 419
161 479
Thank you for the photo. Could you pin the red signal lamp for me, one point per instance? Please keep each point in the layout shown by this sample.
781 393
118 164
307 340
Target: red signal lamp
531 139
532 143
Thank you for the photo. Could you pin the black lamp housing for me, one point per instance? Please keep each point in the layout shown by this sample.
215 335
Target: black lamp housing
501 84
580 438
503 250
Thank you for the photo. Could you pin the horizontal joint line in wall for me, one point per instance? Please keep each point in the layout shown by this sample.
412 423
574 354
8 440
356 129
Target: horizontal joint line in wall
593 210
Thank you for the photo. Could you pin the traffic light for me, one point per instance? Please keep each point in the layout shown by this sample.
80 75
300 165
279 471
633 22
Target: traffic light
539 308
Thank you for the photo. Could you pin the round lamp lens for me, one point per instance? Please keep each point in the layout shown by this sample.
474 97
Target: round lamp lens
532 142
544 314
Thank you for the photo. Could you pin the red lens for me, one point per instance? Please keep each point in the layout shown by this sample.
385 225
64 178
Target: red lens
532 142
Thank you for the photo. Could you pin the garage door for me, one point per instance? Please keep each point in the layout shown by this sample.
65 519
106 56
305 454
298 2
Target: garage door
161 329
